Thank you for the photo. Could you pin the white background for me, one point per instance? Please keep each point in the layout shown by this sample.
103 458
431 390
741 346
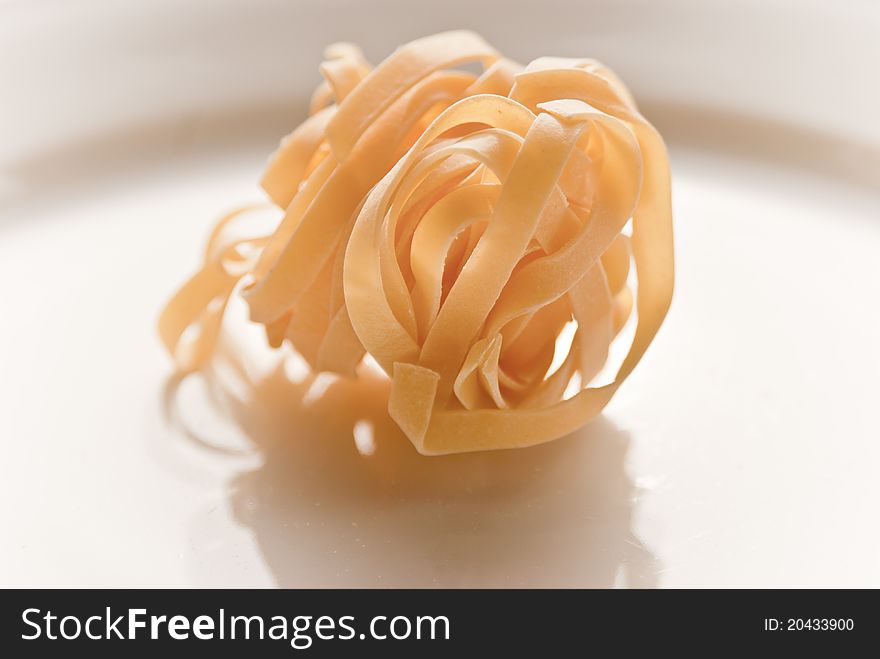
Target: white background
743 451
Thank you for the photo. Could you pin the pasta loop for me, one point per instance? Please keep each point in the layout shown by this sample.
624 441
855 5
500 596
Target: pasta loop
456 228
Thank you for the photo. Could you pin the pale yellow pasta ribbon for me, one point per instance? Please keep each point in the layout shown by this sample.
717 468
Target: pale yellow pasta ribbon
450 225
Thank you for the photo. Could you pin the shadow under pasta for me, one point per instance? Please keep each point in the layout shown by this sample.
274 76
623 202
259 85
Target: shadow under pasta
324 513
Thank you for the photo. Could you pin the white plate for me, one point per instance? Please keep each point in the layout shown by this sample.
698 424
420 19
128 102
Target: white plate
743 452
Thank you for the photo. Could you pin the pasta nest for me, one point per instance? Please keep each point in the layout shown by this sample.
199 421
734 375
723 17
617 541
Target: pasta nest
452 226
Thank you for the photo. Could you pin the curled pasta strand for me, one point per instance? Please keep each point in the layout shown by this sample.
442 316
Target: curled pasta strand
452 226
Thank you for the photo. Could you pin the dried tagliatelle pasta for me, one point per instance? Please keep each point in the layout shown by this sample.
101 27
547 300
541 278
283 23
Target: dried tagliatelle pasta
451 225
